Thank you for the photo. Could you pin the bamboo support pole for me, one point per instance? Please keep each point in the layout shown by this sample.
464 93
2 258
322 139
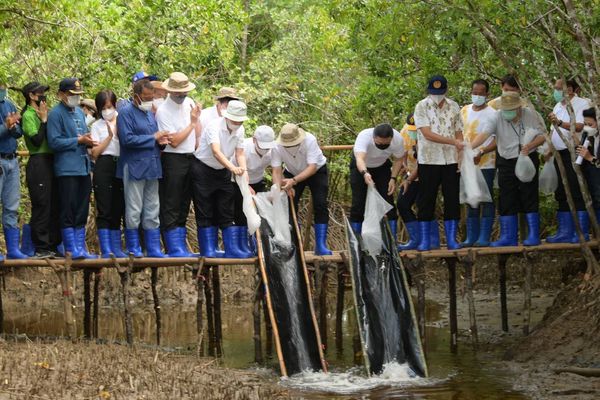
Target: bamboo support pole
468 262
63 271
97 275
256 312
216 282
529 257
209 310
502 259
87 306
324 282
268 326
125 273
451 263
199 279
339 306
154 281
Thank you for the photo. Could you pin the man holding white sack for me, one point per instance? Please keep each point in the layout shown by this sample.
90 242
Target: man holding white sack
258 157
512 123
478 118
371 165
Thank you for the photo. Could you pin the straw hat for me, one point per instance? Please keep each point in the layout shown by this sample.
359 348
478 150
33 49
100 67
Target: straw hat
178 82
510 101
291 135
227 92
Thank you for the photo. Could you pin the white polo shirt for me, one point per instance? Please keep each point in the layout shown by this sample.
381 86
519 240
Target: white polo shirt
174 117
560 109
99 132
208 115
217 132
255 163
297 159
364 143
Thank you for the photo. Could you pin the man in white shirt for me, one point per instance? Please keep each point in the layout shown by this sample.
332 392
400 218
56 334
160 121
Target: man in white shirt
222 99
478 118
560 117
512 123
371 165
211 181
305 165
257 150
439 141
179 116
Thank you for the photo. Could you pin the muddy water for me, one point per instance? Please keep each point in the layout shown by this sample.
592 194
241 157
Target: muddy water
468 375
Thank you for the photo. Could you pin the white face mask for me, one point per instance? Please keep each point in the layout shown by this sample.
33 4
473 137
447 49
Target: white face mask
158 102
231 126
477 100
108 114
145 106
89 120
73 101
591 131
437 98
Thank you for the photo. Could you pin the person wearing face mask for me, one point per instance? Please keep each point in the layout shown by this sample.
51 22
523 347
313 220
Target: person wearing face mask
39 174
409 187
108 189
160 95
257 150
222 99
478 118
138 76
591 155
439 141
212 171
512 123
561 121
69 138
139 166
10 131
371 165
305 165
89 109
179 115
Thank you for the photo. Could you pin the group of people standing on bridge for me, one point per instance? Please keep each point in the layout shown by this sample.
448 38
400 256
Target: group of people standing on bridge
426 154
148 158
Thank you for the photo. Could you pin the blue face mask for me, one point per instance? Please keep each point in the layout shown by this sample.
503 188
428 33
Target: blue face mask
558 95
3 93
509 115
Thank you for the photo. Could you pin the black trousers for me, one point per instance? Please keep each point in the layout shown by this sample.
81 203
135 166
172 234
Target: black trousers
319 189
431 177
516 196
406 200
560 195
74 200
108 192
213 195
381 176
43 193
238 210
175 189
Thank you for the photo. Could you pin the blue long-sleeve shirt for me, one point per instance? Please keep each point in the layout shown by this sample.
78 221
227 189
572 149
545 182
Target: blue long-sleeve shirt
139 150
8 137
64 127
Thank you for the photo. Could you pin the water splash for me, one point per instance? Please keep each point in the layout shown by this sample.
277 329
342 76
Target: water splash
354 380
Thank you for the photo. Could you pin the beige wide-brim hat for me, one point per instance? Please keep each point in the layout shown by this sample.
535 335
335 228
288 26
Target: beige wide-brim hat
89 103
291 135
510 101
179 83
227 92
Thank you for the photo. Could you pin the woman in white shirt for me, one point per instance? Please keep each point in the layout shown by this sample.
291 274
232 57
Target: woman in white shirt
108 189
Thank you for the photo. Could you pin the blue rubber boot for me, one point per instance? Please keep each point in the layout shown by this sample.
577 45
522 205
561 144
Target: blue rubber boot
68 237
564 233
115 243
105 243
11 236
173 243
508 231
425 232
413 236
584 222
80 243
393 223
472 232
451 229
132 241
244 240
152 241
60 249
356 227
207 241
183 236
485 231
533 229
231 239
27 246
434 241
321 240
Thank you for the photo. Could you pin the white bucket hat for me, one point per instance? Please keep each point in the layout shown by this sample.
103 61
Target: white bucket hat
236 111
265 137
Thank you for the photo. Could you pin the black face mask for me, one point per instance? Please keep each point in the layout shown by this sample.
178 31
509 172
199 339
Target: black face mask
41 98
382 146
